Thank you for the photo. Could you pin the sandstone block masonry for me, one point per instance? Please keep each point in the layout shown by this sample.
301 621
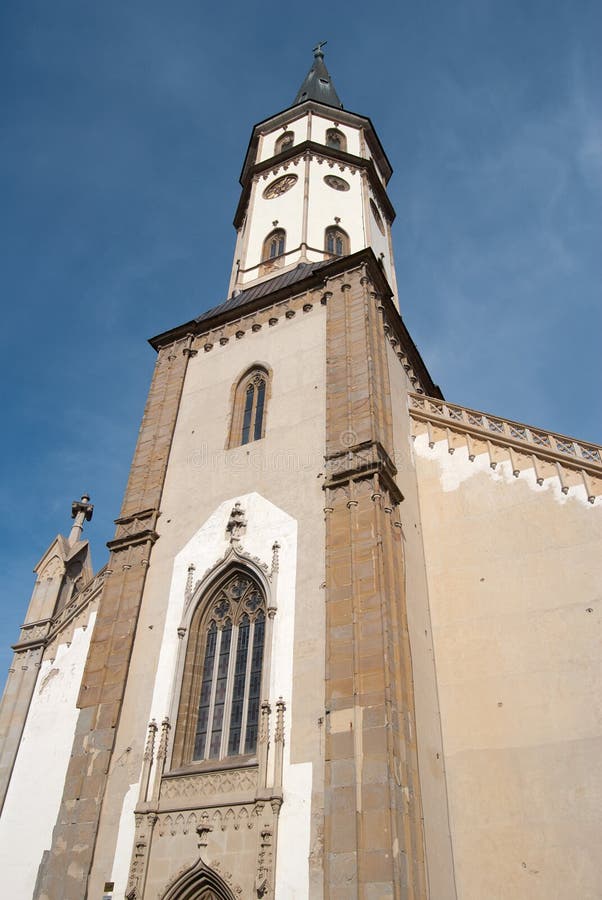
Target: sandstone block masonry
64 870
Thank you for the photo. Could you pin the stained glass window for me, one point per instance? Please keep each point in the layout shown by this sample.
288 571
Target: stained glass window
230 695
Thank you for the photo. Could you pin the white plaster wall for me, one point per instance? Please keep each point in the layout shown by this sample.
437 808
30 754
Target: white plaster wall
299 127
287 209
326 203
36 787
204 550
516 602
380 242
321 124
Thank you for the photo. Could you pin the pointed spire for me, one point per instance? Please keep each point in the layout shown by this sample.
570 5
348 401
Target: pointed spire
318 83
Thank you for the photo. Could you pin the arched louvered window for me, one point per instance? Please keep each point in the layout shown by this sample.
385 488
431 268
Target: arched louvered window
274 244
249 407
221 689
284 142
336 241
273 251
336 139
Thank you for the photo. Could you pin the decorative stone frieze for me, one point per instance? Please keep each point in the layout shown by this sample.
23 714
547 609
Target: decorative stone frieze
547 454
135 529
359 462
209 808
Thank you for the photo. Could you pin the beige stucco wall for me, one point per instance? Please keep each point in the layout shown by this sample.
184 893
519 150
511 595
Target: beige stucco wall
515 596
284 468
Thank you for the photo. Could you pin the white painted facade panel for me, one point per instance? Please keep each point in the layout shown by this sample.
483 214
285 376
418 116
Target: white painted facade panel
300 129
320 126
285 209
327 203
204 550
36 786
380 242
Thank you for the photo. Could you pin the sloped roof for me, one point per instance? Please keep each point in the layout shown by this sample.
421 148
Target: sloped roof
318 83
286 279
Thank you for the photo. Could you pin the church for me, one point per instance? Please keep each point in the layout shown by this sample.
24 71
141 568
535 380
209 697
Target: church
347 640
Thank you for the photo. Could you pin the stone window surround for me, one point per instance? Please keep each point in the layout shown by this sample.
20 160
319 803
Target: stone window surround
238 399
192 676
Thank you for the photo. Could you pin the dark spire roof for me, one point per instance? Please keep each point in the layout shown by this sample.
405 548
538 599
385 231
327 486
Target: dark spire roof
318 83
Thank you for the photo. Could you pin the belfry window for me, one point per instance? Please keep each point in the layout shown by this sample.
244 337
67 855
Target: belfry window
249 409
274 244
221 690
336 139
285 142
336 241
273 251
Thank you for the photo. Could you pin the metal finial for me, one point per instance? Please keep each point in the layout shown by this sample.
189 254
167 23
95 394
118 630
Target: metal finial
318 48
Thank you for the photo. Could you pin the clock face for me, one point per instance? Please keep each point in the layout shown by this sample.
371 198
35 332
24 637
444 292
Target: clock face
279 186
339 184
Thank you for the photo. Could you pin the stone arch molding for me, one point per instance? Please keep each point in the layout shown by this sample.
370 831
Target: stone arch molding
235 558
199 882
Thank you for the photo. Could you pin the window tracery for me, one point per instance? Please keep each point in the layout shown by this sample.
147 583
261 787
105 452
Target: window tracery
336 139
285 142
273 251
249 408
336 241
221 689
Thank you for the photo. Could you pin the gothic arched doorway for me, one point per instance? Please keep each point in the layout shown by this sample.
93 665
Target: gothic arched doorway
199 883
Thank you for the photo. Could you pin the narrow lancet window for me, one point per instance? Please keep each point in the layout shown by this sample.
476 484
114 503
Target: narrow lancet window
248 415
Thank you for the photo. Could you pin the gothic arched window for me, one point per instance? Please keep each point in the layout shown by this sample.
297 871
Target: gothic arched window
249 407
274 244
273 250
336 241
285 141
221 688
336 139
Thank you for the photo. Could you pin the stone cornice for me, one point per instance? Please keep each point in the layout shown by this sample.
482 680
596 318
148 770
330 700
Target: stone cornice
524 444
320 151
135 529
267 309
359 462
293 113
230 316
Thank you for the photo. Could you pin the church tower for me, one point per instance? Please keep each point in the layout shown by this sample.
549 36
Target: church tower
288 680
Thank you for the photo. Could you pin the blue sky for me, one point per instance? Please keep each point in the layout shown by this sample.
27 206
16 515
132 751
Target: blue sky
125 127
